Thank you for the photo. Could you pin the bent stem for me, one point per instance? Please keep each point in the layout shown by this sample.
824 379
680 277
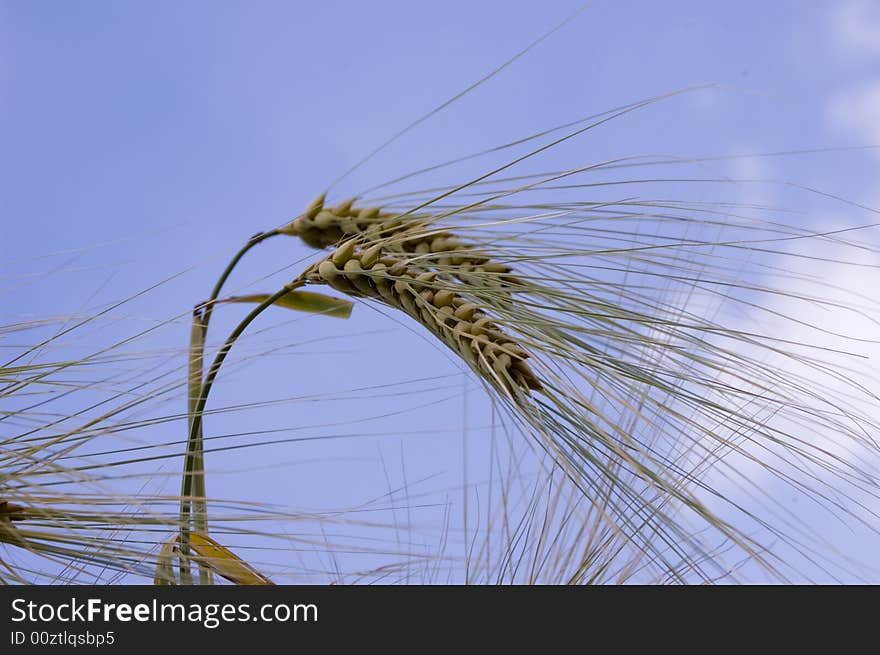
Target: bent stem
193 494
208 305
193 470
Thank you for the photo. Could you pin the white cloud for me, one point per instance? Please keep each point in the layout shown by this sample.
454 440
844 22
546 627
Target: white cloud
857 112
856 27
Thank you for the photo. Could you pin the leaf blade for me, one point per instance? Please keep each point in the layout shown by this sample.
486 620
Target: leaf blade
303 301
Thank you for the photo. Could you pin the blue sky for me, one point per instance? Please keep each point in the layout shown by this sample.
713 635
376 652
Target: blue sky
140 141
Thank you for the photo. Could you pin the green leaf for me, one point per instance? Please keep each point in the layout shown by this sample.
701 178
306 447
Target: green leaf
303 301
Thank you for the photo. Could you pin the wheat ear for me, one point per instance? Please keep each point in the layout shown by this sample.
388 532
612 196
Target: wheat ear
320 226
363 269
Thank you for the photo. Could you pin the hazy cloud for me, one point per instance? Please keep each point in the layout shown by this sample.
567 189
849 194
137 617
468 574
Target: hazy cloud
857 111
856 26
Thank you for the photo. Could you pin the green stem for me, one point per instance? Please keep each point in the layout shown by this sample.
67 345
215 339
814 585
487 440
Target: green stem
195 431
208 305
196 504
193 503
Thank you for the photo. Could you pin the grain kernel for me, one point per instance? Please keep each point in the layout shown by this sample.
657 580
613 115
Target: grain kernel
343 252
466 312
443 298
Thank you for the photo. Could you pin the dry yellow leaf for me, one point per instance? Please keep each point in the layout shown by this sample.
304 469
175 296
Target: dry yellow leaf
224 562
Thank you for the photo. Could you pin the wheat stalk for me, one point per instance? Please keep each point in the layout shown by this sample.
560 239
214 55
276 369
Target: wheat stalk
589 301
473 304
